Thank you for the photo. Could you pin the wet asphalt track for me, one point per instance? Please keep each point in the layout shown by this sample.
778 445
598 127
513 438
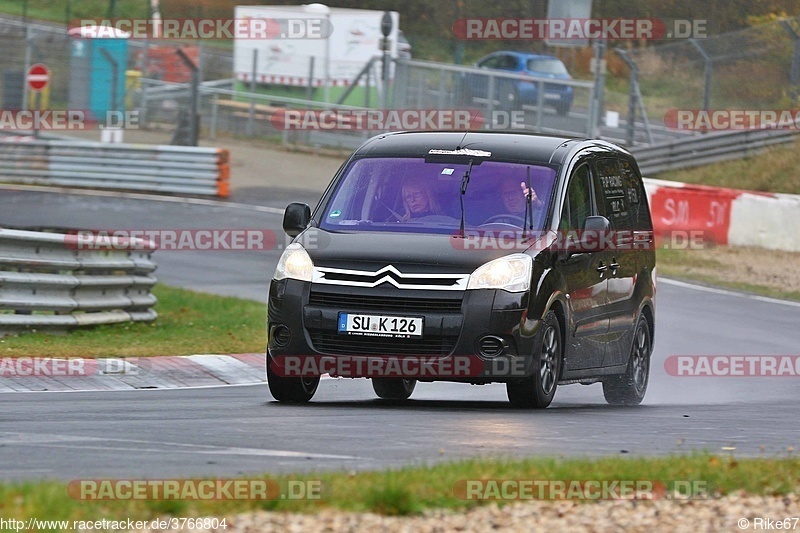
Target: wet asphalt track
235 430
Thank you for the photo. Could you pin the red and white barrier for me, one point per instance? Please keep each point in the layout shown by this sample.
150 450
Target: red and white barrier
726 216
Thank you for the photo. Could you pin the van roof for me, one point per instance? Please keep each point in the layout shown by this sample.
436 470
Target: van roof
510 146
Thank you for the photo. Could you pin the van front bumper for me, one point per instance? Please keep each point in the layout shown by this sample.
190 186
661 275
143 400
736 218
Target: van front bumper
476 336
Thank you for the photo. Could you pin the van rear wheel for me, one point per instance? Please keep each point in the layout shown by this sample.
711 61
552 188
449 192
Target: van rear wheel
537 390
629 388
393 388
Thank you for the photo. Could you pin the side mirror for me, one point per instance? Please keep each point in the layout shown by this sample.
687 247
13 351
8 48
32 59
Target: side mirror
296 218
594 232
590 239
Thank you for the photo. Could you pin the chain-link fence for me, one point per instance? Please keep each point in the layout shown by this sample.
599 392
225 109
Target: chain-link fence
754 68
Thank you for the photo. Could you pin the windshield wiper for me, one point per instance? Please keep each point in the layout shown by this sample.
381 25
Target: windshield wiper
464 183
528 206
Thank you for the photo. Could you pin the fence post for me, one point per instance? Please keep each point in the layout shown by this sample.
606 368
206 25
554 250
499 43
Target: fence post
114 76
490 109
795 73
539 104
252 111
310 88
214 117
630 134
193 99
27 64
707 77
598 92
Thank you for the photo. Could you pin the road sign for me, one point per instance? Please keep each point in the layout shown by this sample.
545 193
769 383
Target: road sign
38 77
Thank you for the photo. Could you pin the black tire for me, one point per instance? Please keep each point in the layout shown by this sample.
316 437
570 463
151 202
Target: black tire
393 388
629 388
562 109
290 390
537 390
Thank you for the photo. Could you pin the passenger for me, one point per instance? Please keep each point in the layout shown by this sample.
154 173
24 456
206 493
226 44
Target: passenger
418 200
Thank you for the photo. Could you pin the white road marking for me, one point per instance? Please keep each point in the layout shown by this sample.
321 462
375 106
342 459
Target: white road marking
71 441
143 196
725 292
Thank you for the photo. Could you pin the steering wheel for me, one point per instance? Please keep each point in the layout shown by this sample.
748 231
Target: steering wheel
504 217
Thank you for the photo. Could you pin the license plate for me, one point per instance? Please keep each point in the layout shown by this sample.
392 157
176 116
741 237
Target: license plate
551 96
380 325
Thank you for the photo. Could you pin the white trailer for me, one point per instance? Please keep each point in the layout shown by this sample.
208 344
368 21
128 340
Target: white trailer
286 59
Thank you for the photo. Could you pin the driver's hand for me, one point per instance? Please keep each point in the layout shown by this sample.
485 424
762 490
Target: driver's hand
535 200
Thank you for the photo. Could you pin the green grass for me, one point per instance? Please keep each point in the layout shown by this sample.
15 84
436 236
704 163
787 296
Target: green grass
188 323
775 170
409 491
57 11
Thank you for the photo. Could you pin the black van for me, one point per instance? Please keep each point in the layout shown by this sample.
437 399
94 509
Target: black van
473 257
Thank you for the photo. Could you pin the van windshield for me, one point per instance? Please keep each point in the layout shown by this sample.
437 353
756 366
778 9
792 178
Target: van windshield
412 195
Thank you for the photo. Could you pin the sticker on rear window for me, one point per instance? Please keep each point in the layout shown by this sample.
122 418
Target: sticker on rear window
447 171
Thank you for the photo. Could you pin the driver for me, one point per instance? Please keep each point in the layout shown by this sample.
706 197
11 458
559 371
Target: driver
514 196
418 200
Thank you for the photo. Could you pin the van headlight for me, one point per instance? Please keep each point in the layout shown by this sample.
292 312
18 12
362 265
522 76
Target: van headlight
511 273
295 263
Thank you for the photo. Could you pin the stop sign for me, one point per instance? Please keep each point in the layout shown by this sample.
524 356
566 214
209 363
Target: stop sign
38 76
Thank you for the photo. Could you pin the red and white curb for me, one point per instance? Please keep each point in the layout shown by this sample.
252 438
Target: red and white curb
729 216
167 372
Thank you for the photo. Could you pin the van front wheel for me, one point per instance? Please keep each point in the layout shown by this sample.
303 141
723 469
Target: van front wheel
537 390
290 390
393 388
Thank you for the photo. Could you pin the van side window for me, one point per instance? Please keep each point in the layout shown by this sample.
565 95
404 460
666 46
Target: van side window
578 205
613 200
634 187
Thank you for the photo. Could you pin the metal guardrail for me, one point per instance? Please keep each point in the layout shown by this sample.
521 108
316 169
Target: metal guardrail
167 169
48 281
708 149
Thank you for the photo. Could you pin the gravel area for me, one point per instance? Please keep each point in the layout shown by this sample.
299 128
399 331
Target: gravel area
722 514
771 268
